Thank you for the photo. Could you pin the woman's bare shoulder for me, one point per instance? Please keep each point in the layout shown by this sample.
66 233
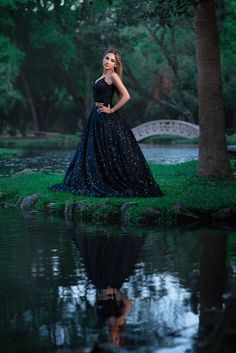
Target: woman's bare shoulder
115 77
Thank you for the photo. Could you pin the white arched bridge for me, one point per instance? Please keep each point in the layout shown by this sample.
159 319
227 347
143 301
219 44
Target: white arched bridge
166 127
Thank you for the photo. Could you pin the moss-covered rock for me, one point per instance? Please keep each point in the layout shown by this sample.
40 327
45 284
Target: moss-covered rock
29 202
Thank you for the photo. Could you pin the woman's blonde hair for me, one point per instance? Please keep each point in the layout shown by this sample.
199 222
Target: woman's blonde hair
119 66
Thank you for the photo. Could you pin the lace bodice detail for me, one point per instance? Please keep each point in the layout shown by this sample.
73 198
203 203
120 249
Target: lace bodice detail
103 92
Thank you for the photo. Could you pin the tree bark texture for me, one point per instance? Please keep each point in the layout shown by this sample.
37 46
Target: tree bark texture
30 101
213 155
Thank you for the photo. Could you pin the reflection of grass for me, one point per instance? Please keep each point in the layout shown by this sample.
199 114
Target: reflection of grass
179 183
6 152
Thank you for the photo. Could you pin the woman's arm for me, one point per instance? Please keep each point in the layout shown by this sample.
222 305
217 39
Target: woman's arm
124 95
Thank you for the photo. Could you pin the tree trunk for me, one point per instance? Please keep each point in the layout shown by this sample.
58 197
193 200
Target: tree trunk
213 156
80 101
30 101
1 124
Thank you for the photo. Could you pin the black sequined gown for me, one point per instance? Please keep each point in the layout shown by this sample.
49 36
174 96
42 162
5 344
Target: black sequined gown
108 160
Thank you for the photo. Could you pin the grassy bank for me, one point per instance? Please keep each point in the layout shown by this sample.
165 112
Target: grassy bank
45 141
56 140
179 183
168 139
6 152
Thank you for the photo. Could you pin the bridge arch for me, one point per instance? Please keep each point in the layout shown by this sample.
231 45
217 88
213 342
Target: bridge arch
166 127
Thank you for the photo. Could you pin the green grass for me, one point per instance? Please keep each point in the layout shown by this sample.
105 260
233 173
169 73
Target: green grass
71 141
169 139
44 142
179 183
6 152
231 139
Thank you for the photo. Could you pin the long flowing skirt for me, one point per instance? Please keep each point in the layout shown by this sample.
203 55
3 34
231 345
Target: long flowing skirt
108 161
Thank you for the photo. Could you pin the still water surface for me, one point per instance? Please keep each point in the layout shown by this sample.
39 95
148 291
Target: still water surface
58 160
65 286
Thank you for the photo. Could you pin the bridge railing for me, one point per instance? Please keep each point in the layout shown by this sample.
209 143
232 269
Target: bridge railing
166 127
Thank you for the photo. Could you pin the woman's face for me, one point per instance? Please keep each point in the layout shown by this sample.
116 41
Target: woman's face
109 62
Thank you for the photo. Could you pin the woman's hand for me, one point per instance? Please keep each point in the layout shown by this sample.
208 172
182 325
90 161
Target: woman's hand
103 109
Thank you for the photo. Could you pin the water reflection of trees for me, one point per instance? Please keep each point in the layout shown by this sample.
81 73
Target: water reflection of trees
49 299
217 325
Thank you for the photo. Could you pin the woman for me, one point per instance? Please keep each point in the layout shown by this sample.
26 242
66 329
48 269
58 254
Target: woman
108 160
109 261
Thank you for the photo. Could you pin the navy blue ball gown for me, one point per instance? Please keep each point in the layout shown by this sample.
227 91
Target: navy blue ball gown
108 160
108 261
107 258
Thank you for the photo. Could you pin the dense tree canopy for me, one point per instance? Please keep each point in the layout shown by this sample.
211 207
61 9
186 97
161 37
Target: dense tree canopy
51 51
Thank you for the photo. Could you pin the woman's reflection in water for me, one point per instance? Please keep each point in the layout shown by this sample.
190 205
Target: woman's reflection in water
113 306
109 260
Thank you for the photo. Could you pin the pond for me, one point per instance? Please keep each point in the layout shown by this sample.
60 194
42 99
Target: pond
58 160
73 287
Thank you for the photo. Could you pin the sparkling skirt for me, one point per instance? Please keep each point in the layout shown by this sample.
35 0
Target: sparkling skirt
108 161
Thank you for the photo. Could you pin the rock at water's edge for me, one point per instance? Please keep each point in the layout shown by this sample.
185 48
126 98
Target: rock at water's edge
184 215
225 214
29 202
151 215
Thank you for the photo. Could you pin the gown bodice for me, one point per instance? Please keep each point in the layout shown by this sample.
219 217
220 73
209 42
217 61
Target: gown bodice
103 92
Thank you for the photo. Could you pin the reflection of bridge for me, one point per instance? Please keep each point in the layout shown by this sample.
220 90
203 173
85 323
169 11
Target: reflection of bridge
166 127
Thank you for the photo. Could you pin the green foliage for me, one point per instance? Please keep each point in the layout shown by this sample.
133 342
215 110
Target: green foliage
227 32
10 59
58 47
165 12
228 60
55 31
